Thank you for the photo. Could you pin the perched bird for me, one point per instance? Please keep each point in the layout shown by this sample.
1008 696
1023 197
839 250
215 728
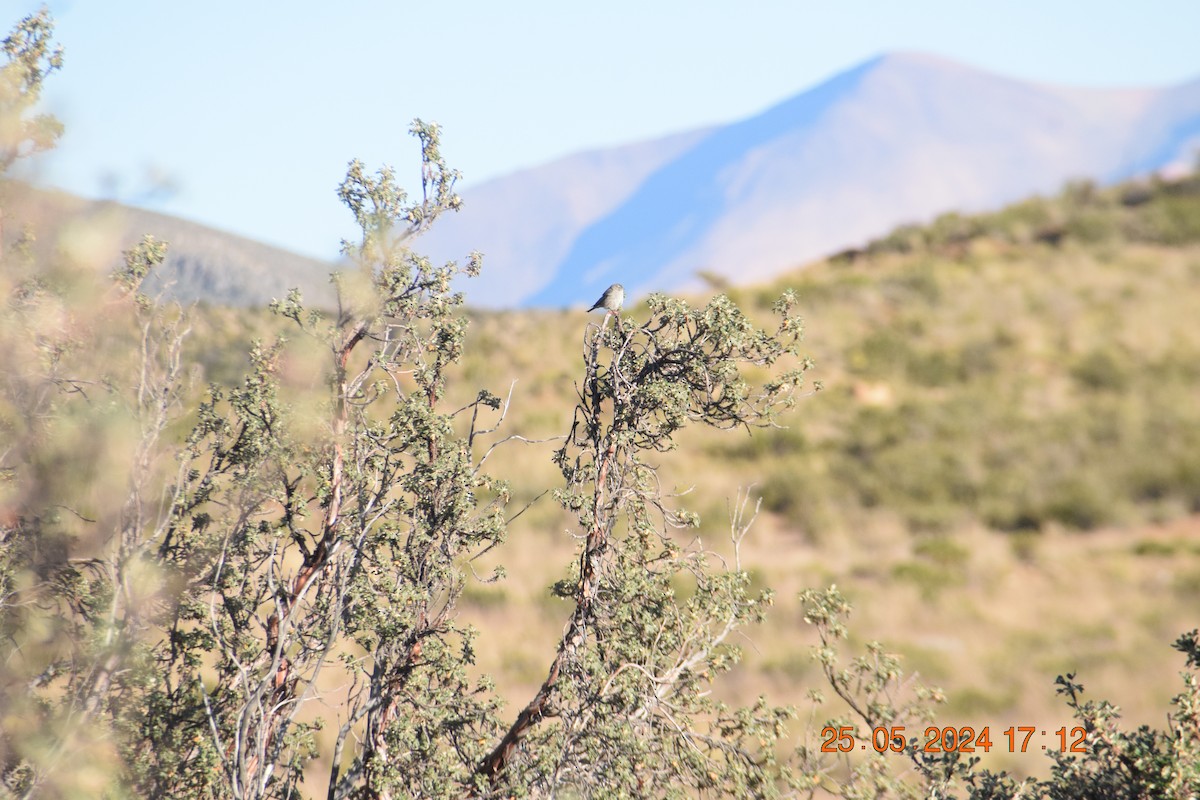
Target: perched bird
612 298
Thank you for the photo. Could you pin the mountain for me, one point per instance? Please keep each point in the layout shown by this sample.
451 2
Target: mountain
531 220
202 263
207 264
898 139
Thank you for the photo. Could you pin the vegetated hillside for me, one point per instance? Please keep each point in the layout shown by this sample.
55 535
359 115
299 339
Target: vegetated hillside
1030 368
1035 367
1003 468
897 139
203 263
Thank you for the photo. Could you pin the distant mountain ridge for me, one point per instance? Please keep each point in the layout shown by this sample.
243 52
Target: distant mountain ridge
202 263
221 267
897 139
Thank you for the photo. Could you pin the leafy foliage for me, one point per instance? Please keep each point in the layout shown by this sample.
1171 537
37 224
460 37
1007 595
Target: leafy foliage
627 688
1114 762
30 57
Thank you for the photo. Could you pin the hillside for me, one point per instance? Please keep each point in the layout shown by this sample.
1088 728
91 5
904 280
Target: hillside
895 140
203 263
1003 468
1030 368
1004 459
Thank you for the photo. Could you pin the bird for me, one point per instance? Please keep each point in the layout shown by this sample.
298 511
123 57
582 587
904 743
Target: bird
612 298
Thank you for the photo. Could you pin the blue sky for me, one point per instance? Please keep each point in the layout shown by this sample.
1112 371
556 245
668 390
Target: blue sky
243 115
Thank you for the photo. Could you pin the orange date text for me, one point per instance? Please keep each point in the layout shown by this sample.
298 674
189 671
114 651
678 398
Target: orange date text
967 739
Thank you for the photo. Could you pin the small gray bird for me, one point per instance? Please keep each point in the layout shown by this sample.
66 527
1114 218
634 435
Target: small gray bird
612 298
